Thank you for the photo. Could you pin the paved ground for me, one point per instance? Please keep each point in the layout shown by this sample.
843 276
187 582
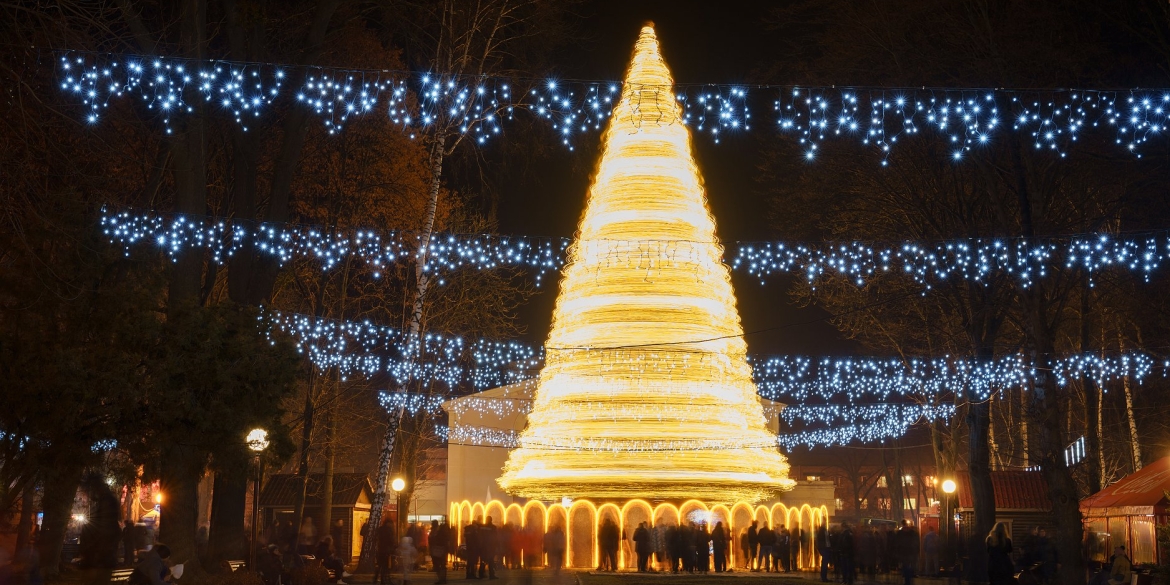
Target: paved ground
580 577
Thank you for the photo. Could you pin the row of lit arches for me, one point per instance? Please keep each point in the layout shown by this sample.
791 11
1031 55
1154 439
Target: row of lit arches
582 518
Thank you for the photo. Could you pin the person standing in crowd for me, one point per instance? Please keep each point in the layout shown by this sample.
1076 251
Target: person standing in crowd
702 548
890 554
845 554
908 546
767 540
506 536
406 557
781 549
439 542
930 550
383 550
823 548
674 547
608 541
800 546
286 535
867 554
554 545
1000 570
489 549
753 542
642 546
1029 547
658 545
743 550
719 547
471 541
128 543
307 538
1048 558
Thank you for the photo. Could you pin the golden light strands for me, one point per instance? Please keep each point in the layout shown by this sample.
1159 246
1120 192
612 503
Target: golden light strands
677 316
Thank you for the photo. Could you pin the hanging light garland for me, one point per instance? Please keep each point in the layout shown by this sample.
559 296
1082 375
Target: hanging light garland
473 105
925 262
974 260
800 379
176 233
967 119
360 347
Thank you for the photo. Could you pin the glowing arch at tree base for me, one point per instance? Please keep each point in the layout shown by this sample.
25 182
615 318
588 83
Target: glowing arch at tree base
582 518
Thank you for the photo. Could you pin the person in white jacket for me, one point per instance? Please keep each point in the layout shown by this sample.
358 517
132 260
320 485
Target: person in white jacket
406 554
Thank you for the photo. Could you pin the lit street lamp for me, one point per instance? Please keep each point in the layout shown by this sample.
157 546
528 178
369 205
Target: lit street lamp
948 488
257 441
398 484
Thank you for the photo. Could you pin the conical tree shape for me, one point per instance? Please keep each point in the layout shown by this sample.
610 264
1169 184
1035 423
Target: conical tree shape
646 390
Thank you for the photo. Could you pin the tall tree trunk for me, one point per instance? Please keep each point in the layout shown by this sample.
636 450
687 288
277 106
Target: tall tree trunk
979 463
1049 411
1134 446
1094 457
303 465
179 482
227 537
60 489
422 283
330 455
27 508
381 486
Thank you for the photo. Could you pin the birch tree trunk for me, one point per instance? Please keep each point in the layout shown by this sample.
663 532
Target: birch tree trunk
1134 446
438 151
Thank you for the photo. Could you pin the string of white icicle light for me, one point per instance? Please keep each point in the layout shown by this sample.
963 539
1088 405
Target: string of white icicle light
925 262
966 118
800 379
177 233
833 413
475 105
974 260
361 347
969 119
369 349
844 435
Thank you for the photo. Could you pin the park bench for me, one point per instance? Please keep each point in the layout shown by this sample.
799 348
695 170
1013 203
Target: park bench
123 575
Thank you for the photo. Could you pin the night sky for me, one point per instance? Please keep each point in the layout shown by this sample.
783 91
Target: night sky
701 43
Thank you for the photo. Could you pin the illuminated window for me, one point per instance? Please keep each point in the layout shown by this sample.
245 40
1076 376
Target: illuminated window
812 478
840 504
907 480
883 503
882 482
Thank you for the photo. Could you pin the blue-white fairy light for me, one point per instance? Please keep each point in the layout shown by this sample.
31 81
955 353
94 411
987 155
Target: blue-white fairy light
978 260
968 119
865 399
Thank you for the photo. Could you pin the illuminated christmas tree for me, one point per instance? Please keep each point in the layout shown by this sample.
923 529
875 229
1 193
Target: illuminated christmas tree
646 390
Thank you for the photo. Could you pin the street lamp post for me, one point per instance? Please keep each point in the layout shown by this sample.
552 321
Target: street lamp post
257 441
397 484
948 488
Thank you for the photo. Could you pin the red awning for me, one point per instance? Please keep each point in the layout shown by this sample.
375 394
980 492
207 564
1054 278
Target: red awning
1014 490
1137 493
